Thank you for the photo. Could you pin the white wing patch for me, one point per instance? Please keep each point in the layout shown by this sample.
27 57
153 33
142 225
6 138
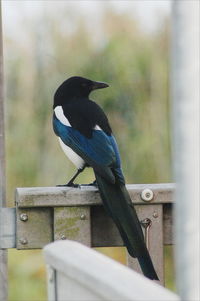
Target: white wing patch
63 119
76 159
97 128
60 115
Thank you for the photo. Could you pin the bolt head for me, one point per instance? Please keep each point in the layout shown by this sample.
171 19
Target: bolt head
50 274
23 217
83 216
147 195
155 214
23 241
63 237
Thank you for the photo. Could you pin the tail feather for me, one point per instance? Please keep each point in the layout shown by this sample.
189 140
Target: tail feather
147 266
118 205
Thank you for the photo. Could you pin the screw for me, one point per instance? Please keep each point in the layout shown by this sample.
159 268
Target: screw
82 216
23 217
50 274
23 241
63 237
147 195
155 214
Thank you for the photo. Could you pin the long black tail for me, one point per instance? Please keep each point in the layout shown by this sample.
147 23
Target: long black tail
118 205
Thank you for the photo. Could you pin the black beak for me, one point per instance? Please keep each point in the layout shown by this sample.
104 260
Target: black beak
99 85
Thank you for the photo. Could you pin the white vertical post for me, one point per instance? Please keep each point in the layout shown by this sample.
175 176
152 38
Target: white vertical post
185 95
3 253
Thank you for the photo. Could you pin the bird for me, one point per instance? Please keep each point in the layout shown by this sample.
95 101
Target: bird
87 139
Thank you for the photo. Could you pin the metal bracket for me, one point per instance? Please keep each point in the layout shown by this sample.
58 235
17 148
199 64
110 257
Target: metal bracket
7 228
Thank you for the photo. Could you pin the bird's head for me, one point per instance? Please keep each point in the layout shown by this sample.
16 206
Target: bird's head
76 87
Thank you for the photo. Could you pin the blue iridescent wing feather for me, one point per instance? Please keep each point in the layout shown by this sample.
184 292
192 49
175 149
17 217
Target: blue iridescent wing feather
100 151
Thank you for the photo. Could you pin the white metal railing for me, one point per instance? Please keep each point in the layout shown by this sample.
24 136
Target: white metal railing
76 272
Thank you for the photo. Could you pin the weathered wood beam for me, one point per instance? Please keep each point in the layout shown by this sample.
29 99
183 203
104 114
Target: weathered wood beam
87 195
63 207
21 226
44 225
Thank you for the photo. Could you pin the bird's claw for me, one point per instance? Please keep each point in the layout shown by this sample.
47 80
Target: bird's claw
72 185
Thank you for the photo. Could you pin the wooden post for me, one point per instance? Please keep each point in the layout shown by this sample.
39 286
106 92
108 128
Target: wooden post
185 93
3 253
73 223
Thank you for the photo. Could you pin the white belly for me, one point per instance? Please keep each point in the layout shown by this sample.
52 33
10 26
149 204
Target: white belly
76 159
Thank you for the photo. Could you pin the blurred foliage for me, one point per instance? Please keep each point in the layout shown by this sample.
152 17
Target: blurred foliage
169 268
27 276
133 62
135 65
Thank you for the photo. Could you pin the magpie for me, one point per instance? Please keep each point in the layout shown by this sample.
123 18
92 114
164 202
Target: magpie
86 138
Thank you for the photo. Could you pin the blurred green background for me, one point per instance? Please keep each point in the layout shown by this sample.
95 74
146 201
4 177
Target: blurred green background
116 50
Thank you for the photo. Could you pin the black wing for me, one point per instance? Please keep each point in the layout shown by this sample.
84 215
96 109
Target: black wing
84 115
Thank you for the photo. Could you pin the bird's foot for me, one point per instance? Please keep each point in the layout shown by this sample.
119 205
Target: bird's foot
70 184
91 184
94 183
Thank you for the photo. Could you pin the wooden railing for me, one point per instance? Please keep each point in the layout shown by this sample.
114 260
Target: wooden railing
45 214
